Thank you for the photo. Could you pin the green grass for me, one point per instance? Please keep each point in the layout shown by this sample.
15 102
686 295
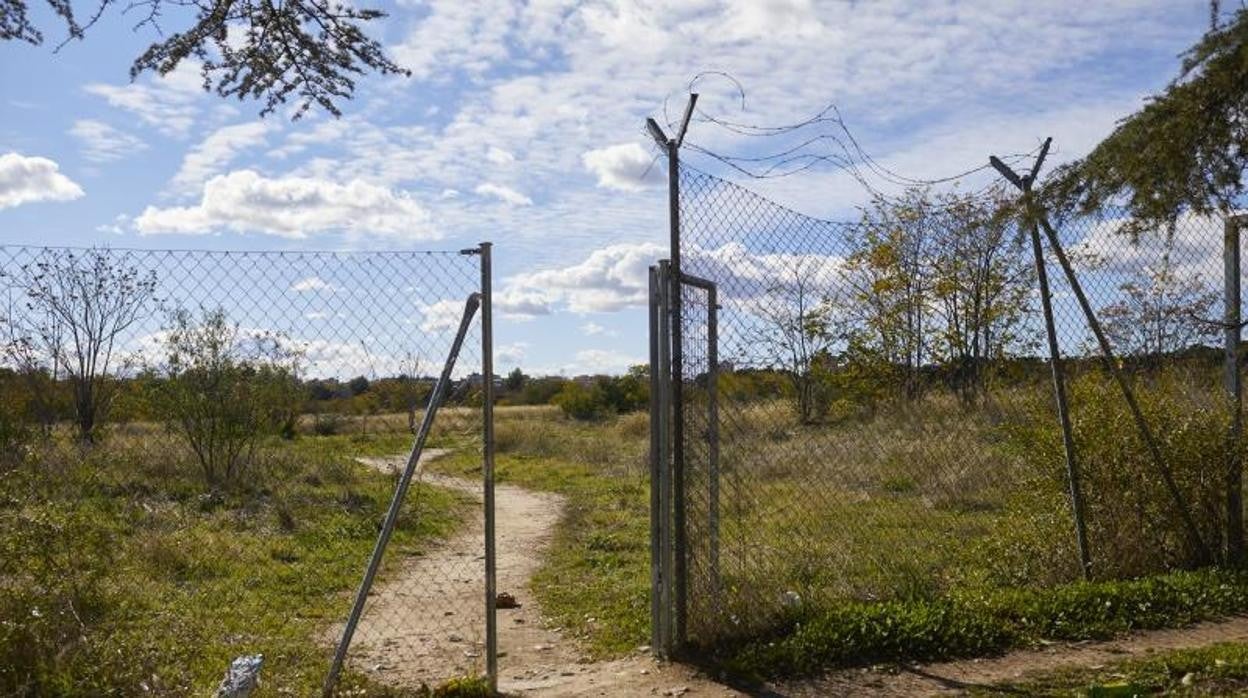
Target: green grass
1216 670
977 623
121 574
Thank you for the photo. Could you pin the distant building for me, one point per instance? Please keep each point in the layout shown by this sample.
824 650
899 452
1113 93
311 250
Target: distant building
474 380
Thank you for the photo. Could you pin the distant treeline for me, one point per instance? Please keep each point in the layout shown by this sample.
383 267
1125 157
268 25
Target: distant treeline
39 398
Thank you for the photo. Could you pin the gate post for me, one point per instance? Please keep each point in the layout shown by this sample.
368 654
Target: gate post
487 464
1231 382
661 486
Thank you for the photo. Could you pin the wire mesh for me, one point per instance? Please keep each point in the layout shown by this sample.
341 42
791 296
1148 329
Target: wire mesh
886 427
199 450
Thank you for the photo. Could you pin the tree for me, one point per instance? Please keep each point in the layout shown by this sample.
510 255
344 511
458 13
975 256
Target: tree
514 381
1185 150
795 328
1162 311
358 385
40 379
77 306
223 389
888 274
980 284
412 390
311 51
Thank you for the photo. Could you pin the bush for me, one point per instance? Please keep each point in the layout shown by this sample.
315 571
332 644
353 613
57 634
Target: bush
605 396
1134 527
327 423
223 390
581 402
15 427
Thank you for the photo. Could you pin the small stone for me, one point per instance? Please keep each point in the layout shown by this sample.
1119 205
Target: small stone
505 600
455 637
1188 679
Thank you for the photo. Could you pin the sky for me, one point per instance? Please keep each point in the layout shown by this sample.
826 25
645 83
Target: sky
523 124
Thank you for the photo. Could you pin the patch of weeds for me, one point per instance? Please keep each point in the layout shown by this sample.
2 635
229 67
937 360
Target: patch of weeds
1216 670
113 582
967 623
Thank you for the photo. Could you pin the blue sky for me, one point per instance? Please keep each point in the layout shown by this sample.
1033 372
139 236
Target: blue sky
522 125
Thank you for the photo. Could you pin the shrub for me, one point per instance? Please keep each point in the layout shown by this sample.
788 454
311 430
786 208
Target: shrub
581 402
327 423
606 395
1134 527
223 390
15 428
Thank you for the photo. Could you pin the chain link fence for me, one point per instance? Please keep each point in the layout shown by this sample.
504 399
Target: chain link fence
198 453
866 409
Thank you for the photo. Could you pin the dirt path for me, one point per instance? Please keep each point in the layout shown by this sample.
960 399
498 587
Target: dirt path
435 591
957 678
436 588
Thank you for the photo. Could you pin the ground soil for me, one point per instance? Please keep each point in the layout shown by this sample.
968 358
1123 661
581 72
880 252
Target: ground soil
954 678
536 659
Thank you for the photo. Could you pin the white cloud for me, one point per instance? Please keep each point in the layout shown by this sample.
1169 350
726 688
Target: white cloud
595 361
119 225
510 354
616 277
166 103
442 316
103 143
312 283
522 303
503 193
1194 247
460 36
612 278
211 155
293 207
593 329
627 167
498 156
27 179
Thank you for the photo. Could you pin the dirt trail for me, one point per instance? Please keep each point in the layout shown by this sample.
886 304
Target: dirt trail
535 659
957 678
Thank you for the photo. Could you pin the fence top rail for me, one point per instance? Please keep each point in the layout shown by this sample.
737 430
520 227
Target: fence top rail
10 248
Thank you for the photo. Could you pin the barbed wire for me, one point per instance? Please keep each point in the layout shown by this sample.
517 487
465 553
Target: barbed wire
847 153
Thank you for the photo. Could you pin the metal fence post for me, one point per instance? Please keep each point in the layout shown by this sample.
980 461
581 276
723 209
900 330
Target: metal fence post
678 578
679 573
656 453
487 465
1231 381
1055 361
1063 407
712 396
664 462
